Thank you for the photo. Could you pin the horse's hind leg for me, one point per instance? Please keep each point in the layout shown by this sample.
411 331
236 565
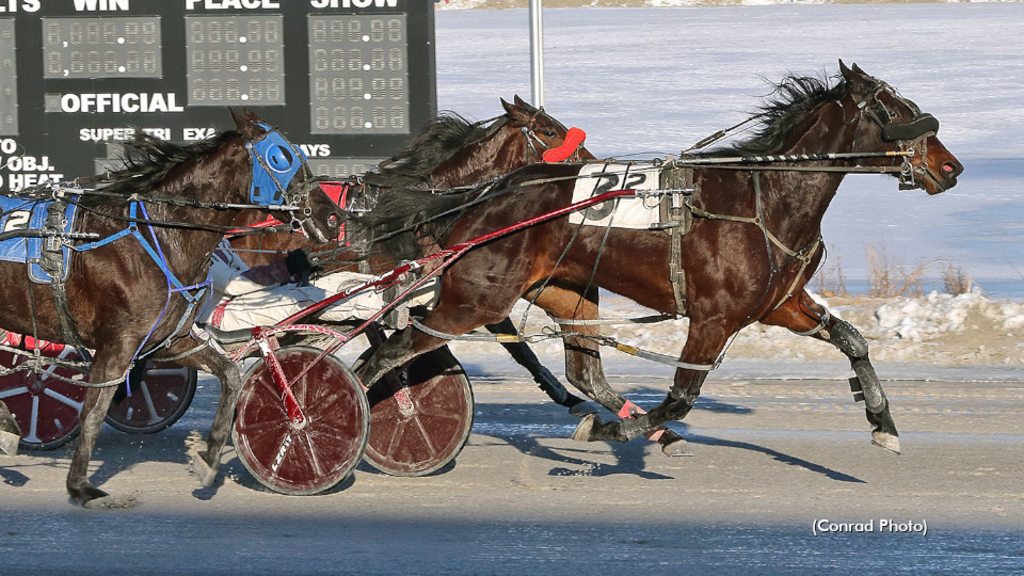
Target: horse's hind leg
583 368
803 315
10 432
704 343
206 462
541 375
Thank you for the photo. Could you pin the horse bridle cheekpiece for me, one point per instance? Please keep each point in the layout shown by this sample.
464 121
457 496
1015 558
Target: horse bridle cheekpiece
911 135
275 163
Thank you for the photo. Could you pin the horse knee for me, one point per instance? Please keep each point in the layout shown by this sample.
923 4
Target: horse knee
846 338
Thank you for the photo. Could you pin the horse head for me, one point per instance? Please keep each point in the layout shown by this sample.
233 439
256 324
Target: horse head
544 133
283 183
896 124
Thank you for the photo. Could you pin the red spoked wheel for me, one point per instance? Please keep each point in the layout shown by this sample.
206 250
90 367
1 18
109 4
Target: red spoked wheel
47 409
421 419
160 394
318 454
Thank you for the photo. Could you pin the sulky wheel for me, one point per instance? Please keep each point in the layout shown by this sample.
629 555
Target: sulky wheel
420 420
46 408
324 450
160 395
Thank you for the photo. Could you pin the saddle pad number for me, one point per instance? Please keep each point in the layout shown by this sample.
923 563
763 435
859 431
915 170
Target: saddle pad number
596 179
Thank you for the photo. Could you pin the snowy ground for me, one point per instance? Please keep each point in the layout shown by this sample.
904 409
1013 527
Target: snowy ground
651 81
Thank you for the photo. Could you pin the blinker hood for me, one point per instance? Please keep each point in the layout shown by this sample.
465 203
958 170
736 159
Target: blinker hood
912 130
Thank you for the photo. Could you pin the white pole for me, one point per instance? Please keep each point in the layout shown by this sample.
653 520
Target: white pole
537 51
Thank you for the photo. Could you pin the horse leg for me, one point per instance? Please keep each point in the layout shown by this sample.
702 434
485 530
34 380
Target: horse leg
704 343
206 462
10 432
547 382
110 364
804 316
583 368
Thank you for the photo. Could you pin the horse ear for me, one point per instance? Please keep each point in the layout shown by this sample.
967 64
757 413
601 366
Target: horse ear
846 72
524 104
516 113
855 77
247 123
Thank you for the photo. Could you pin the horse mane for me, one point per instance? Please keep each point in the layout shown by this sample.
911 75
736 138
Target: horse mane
438 141
146 160
783 108
402 218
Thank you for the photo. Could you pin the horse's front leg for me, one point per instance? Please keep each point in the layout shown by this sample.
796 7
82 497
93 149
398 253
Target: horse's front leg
206 462
803 315
109 365
584 370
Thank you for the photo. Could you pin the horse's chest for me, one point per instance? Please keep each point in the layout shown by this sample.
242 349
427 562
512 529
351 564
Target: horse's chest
42 254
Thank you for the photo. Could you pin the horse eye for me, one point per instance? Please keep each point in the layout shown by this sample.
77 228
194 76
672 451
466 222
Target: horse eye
550 133
893 114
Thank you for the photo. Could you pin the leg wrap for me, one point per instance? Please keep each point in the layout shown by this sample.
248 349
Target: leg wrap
847 339
551 386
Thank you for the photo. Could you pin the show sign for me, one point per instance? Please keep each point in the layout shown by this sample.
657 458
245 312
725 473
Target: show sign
348 80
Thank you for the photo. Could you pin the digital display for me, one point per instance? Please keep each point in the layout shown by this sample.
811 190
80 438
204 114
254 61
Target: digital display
8 80
358 75
349 81
235 60
102 48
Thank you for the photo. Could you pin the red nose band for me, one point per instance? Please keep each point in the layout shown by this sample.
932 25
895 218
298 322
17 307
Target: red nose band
573 140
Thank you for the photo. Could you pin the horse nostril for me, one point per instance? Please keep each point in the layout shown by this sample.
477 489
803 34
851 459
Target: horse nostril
951 169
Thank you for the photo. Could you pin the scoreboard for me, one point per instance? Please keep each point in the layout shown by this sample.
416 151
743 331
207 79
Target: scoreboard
348 80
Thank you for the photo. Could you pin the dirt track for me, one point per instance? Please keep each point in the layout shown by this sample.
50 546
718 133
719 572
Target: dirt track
773 459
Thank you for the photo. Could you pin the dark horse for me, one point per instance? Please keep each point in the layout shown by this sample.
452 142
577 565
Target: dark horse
754 242
124 303
450 152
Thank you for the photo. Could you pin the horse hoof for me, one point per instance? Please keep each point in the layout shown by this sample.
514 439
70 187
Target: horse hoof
85 495
585 428
888 441
584 409
9 442
205 473
677 448
107 502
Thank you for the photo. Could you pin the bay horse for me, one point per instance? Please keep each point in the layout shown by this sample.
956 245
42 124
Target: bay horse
754 242
449 152
136 291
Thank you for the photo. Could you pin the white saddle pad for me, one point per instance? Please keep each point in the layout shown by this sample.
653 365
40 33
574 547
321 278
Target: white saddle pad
595 179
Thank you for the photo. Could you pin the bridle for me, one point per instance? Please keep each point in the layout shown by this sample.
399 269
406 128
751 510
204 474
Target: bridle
911 136
537 147
276 162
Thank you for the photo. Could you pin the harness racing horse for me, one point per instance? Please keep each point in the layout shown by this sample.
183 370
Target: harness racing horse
136 291
754 242
450 152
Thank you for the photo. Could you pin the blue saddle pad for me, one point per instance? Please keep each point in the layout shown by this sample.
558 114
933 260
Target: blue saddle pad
28 214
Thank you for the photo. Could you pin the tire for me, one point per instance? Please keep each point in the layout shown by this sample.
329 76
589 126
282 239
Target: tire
424 433
159 398
46 409
321 453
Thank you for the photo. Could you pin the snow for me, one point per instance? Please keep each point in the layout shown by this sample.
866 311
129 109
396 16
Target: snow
646 82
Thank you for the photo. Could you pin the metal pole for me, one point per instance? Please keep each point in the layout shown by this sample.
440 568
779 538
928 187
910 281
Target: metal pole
537 51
